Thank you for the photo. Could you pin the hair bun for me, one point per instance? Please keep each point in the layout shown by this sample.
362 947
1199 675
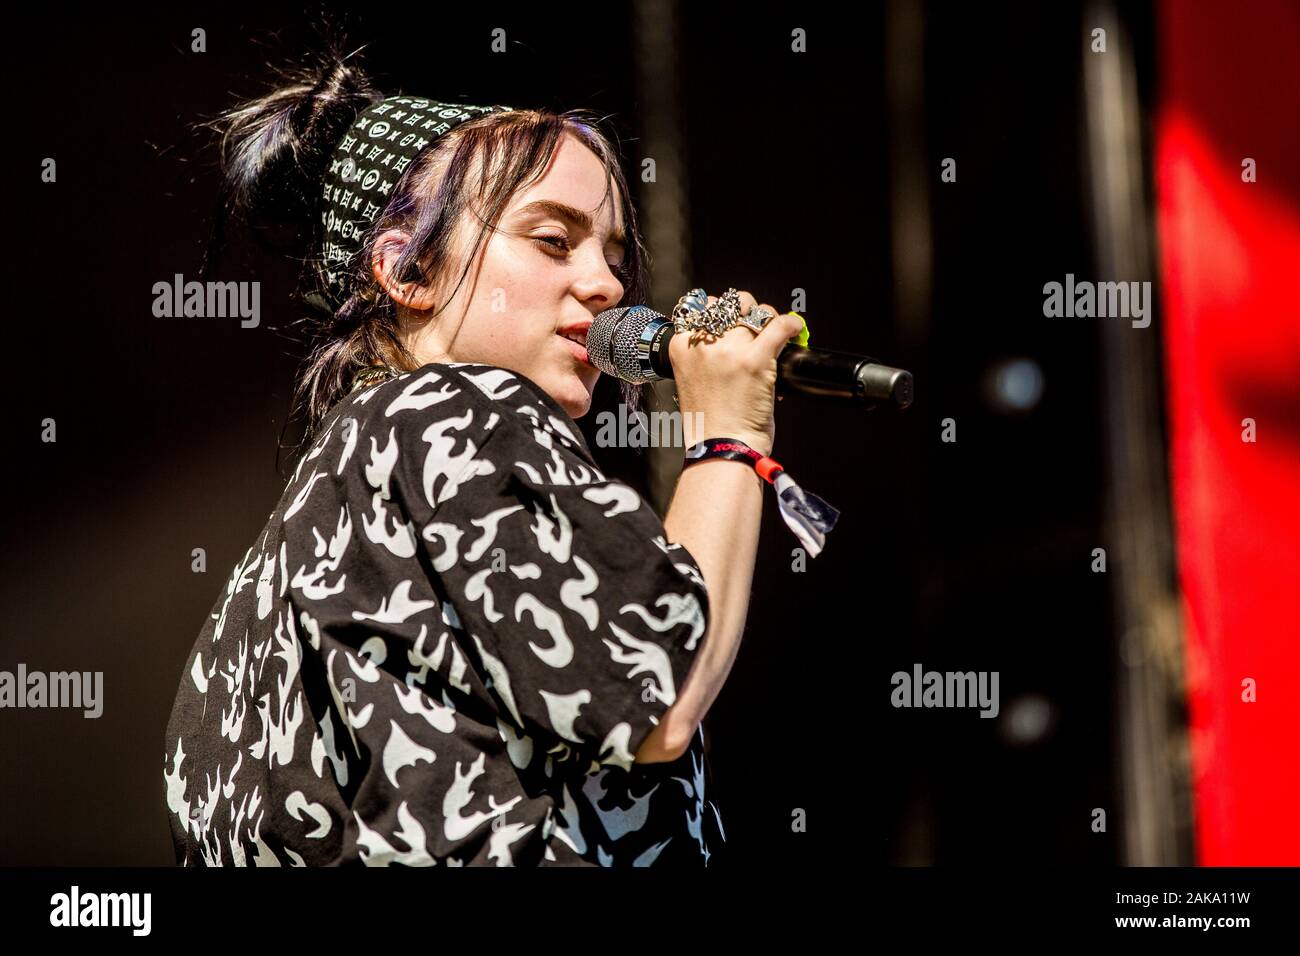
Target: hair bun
322 116
275 148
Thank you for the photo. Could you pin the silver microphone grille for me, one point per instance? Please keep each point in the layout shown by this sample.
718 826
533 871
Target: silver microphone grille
613 342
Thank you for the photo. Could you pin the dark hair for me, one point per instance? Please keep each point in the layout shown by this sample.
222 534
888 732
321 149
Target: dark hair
275 150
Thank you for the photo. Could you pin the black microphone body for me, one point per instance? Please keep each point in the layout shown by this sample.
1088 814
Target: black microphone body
631 343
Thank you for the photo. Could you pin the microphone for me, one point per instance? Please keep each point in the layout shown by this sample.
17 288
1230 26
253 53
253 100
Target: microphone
631 344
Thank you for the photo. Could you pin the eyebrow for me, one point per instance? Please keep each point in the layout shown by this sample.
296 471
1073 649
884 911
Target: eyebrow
570 215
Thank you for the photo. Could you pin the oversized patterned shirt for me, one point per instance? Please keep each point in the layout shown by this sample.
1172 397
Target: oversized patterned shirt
444 648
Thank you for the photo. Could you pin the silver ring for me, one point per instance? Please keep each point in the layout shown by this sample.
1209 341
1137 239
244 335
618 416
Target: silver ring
695 301
714 319
757 317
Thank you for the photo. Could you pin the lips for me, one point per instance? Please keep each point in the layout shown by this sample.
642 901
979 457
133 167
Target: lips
578 350
576 336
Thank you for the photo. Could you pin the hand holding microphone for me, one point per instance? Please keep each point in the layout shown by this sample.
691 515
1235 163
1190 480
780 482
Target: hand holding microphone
729 380
634 343
729 376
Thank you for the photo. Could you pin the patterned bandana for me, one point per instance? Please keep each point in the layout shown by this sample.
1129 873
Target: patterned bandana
366 166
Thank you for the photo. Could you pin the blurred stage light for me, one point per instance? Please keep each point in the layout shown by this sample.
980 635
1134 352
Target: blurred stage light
1013 385
1027 720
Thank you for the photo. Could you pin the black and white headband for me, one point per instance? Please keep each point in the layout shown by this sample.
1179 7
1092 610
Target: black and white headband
367 164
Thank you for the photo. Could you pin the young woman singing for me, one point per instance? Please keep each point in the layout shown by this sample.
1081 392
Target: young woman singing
456 641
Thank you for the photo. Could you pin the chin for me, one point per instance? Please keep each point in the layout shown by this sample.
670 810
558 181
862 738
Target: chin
577 407
576 400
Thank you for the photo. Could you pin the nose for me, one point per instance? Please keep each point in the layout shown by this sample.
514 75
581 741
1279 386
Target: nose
596 285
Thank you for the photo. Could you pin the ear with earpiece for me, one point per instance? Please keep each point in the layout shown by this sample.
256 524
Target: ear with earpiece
388 250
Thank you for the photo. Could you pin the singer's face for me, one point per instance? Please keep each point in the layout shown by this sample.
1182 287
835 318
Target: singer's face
538 273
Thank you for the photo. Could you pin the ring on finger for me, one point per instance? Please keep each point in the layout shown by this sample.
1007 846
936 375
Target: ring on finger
688 307
721 315
757 317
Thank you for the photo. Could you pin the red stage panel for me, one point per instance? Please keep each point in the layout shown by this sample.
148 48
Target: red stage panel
1230 264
